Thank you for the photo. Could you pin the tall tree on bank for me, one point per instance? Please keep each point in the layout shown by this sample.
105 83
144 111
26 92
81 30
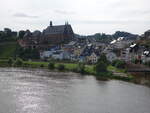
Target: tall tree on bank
101 66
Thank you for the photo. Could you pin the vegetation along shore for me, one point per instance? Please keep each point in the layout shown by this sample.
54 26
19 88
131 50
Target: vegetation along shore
102 70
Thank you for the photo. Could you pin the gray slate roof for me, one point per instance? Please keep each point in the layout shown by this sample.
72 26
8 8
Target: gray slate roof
60 29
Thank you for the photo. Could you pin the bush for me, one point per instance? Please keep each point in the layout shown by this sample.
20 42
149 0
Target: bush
119 63
42 65
100 67
61 67
51 65
18 62
114 62
81 68
10 61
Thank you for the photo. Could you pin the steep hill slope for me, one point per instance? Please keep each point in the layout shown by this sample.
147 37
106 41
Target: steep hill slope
7 49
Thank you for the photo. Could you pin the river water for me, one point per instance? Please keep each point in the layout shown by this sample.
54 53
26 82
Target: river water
40 91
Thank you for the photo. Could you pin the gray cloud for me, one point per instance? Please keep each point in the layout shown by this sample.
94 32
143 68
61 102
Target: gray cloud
23 15
63 12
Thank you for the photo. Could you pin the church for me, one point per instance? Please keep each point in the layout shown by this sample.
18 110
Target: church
51 36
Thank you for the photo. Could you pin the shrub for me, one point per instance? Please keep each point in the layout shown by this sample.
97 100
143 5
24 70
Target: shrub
119 63
51 65
81 68
10 61
42 65
61 67
18 62
100 67
114 62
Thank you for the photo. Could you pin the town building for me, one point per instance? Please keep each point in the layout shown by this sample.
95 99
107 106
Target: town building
52 35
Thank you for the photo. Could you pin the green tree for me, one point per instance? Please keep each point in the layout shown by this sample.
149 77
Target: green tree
21 34
100 67
27 53
103 58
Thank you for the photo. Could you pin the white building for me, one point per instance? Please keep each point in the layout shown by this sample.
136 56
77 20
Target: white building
111 56
45 54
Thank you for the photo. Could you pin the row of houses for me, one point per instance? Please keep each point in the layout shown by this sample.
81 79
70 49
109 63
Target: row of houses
76 51
135 52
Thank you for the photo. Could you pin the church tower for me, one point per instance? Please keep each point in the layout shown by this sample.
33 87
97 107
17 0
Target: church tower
51 24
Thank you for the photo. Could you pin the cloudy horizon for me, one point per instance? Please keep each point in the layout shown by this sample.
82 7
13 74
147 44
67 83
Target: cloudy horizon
85 16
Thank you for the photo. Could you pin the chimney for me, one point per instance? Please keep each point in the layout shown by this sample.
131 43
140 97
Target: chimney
51 24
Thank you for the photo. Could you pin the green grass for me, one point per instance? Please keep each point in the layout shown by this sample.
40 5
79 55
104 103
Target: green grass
89 69
7 49
112 68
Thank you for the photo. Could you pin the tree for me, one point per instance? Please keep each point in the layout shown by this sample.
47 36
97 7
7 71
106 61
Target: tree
8 32
100 67
104 59
27 53
21 34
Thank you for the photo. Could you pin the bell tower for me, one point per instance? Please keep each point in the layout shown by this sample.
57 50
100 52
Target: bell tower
51 24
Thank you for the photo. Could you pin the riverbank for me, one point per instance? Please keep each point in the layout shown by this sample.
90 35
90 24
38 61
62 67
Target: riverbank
69 67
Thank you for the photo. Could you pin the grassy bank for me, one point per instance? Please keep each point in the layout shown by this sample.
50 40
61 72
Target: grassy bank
88 69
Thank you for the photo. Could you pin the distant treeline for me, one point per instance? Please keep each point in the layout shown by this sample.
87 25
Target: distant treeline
8 35
106 38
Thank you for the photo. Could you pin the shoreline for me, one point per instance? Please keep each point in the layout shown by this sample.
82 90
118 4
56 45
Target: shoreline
72 67
127 79
67 72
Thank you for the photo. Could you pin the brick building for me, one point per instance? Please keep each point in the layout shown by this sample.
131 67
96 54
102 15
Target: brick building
52 35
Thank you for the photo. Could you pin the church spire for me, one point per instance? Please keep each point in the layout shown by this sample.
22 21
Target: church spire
51 24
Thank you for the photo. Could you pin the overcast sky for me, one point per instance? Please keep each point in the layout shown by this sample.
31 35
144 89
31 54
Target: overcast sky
85 16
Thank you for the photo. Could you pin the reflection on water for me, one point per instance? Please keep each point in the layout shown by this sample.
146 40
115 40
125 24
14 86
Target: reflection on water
40 91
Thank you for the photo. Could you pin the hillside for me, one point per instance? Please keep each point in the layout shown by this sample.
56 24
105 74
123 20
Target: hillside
145 39
107 38
7 49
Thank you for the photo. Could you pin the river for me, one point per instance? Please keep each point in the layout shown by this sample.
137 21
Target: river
40 91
